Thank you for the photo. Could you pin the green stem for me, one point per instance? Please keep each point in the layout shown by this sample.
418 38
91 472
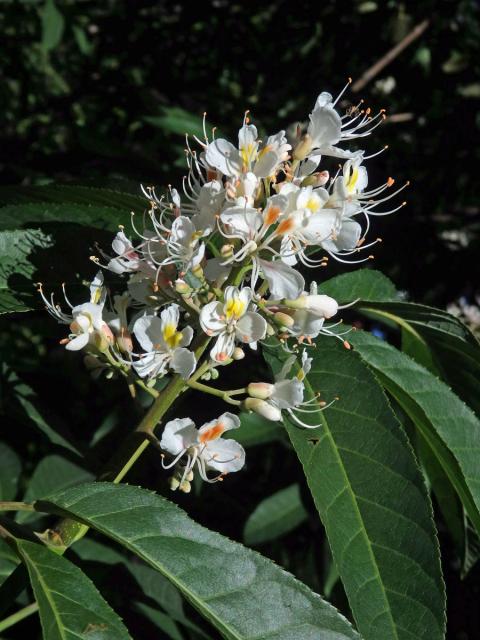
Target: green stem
116 469
6 623
16 506
153 392
224 395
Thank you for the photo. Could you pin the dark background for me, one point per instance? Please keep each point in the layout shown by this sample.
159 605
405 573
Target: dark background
101 93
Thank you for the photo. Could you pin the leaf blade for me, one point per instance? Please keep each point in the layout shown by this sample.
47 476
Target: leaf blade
58 586
223 580
366 485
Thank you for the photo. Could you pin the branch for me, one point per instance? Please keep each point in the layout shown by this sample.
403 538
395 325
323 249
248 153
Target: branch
389 56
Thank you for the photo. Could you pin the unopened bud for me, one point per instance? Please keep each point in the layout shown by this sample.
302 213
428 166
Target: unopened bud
318 179
198 272
262 390
238 353
185 486
183 288
189 476
270 330
322 305
124 341
226 251
283 319
100 341
174 483
263 409
214 374
303 148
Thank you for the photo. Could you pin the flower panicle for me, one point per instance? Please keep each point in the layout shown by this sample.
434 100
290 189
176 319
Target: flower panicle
223 258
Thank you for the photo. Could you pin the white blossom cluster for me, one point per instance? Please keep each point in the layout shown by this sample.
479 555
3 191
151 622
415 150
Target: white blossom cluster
221 260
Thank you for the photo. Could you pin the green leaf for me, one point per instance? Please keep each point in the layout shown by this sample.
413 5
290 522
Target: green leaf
241 593
454 350
53 25
38 252
53 473
447 425
178 121
35 214
28 400
152 583
8 560
364 284
17 249
71 194
70 605
10 469
276 515
371 498
255 430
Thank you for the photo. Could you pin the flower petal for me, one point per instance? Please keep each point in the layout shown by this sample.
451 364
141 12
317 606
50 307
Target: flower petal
251 327
148 332
283 280
178 434
223 348
183 362
225 456
211 318
287 393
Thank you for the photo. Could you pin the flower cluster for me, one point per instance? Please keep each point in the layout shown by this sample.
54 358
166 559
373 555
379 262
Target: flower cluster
219 264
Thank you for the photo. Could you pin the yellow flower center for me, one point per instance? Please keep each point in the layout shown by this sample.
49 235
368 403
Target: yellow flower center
171 336
234 309
313 204
352 181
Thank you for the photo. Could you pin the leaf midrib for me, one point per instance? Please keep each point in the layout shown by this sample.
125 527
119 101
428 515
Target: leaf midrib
356 507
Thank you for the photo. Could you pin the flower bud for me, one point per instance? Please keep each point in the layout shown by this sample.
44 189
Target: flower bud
214 375
262 390
303 148
226 251
263 409
283 319
185 486
198 272
182 288
318 179
270 330
124 341
321 305
100 341
238 353
174 483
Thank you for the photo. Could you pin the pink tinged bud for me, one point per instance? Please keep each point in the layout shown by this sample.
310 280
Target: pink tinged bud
227 250
321 305
283 319
322 178
263 409
238 354
262 390
182 287
303 148
100 341
124 341
107 332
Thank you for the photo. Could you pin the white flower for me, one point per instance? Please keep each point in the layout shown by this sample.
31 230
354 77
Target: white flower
286 394
164 345
86 320
203 447
183 244
127 259
231 321
250 156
